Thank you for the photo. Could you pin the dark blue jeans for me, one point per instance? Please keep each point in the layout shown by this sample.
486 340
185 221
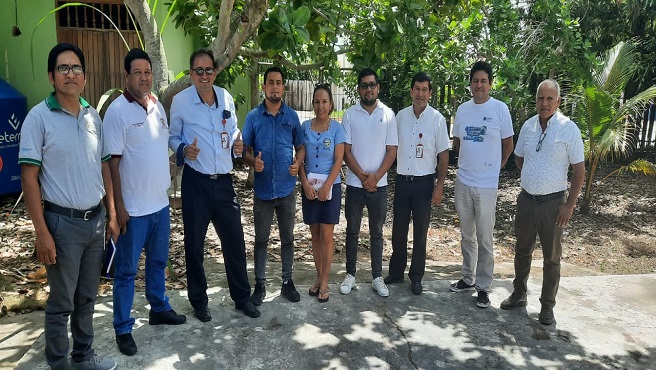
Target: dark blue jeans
285 209
376 203
73 282
150 233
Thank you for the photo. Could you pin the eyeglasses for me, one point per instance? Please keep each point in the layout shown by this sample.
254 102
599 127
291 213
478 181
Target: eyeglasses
542 136
64 69
201 71
368 86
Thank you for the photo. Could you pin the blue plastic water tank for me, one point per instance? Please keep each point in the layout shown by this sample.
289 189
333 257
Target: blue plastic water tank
13 109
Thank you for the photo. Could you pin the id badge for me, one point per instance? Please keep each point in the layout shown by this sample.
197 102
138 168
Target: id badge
419 151
224 140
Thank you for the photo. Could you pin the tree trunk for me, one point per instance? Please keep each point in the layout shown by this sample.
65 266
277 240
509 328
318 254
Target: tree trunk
255 100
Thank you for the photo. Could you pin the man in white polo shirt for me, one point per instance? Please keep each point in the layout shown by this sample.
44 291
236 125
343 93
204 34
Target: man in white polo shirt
137 138
63 159
371 141
423 138
548 144
483 136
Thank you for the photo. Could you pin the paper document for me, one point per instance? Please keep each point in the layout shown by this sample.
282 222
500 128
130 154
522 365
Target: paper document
317 180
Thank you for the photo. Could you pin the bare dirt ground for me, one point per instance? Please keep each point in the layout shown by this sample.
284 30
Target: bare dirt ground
618 236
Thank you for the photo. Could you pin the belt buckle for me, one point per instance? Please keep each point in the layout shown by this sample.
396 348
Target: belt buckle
410 178
214 177
87 215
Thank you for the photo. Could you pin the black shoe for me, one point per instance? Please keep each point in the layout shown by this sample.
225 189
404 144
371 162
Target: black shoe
546 316
483 300
126 344
416 287
514 301
169 317
249 309
461 286
258 294
203 314
289 291
391 279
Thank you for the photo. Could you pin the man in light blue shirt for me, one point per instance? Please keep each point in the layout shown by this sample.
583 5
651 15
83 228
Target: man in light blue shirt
273 132
205 136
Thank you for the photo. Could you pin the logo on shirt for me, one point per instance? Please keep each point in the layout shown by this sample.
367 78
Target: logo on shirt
91 128
326 143
138 124
161 121
475 134
487 119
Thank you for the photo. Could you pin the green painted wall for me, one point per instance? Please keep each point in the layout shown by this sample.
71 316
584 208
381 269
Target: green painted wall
15 51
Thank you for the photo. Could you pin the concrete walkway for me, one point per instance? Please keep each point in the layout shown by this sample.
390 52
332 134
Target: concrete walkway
603 322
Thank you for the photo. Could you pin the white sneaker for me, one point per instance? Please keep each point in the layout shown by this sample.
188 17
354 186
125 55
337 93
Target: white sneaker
348 284
379 286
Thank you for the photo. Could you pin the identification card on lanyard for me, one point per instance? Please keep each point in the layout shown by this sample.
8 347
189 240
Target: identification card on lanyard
419 152
225 139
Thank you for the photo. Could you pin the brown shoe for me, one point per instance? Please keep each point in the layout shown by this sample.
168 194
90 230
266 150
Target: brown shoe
515 300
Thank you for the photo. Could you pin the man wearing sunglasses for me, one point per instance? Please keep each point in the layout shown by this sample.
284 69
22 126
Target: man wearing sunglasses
483 138
64 160
548 144
370 150
205 138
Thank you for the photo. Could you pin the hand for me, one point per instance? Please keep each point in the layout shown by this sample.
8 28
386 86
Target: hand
438 192
191 151
238 146
324 192
293 168
259 164
45 249
564 214
113 230
310 192
370 183
122 217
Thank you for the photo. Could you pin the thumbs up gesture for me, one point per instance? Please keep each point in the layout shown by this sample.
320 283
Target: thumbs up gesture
238 146
191 151
293 168
259 164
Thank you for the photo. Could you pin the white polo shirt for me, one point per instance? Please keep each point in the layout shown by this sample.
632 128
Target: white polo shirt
369 136
545 171
480 128
429 131
140 136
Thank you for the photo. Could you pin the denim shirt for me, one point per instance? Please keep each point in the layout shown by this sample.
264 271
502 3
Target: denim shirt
275 137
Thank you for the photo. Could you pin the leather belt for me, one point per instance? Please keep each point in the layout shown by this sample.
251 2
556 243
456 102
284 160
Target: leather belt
412 178
544 198
86 215
215 176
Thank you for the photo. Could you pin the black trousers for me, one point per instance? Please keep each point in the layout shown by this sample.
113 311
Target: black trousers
411 196
203 200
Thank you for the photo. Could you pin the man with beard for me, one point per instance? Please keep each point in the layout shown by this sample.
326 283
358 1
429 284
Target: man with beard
483 137
274 141
205 137
423 138
371 141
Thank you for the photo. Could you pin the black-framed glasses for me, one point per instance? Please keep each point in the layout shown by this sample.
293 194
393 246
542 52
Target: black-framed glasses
368 86
65 68
201 71
542 136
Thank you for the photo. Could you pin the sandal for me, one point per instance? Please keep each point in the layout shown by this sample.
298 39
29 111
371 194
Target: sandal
324 295
314 290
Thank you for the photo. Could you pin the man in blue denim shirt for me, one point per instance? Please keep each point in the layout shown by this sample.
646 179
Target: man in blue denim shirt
272 135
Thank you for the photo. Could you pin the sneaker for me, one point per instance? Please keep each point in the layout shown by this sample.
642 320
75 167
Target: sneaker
95 362
169 317
546 316
258 294
514 301
461 286
483 300
126 344
289 291
379 286
348 284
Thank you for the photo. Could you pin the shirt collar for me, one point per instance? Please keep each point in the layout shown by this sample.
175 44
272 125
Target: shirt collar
264 111
53 104
128 96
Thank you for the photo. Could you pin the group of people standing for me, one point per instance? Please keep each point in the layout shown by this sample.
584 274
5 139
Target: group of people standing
88 181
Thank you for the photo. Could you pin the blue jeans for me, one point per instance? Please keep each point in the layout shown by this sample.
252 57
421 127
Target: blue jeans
376 202
285 209
150 233
73 282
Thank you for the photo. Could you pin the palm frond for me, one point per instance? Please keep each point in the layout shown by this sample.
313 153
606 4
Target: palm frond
619 65
638 166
